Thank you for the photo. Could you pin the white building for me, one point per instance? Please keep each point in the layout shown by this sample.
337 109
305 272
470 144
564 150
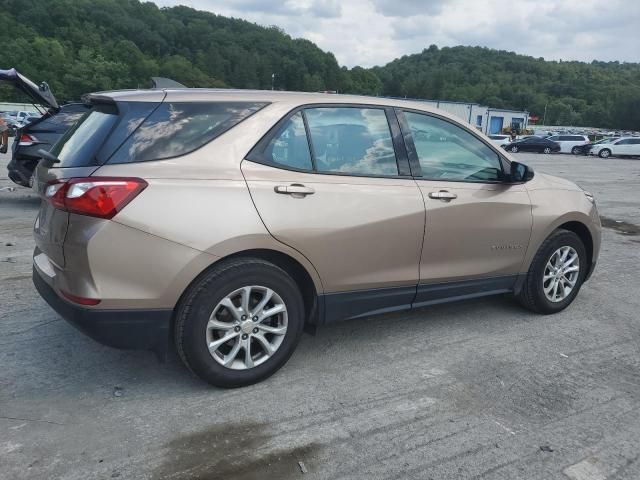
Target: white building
17 107
486 119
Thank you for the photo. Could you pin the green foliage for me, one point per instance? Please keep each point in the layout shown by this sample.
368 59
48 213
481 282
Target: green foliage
599 94
79 46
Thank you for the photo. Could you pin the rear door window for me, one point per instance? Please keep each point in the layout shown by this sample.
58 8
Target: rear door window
351 140
178 128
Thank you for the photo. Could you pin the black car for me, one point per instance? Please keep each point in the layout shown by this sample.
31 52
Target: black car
532 144
41 133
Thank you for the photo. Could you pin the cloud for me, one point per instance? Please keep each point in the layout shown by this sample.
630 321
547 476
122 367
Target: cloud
399 8
374 32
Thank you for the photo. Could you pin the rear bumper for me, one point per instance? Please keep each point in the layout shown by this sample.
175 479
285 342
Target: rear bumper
127 329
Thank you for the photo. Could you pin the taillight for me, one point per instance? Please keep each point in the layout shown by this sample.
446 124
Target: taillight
27 140
101 197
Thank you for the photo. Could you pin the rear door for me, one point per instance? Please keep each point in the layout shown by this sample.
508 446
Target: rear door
477 226
328 182
634 147
623 147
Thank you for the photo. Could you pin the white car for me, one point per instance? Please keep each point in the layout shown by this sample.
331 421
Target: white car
570 143
625 146
500 139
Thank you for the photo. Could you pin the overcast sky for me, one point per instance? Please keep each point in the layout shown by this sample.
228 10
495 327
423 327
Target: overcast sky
374 32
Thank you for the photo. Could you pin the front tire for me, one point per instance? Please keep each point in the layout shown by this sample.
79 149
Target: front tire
239 323
556 274
575 151
604 153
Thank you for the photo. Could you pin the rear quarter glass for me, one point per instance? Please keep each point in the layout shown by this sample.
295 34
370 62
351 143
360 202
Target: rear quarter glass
178 128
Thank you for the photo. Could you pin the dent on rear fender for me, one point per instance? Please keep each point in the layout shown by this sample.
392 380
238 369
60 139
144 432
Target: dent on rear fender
133 269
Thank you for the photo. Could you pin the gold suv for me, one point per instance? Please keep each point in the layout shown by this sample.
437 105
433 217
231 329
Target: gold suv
228 221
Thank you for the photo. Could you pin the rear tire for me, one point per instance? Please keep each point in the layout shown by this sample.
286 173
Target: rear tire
205 316
541 274
546 150
514 149
575 151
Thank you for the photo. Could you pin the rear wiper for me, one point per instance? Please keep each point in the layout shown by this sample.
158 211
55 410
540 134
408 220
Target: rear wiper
49 156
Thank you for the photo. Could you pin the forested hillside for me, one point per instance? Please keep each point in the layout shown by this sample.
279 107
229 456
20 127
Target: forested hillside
595 94
87 45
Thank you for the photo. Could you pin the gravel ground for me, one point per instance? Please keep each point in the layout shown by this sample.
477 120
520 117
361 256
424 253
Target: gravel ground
478 389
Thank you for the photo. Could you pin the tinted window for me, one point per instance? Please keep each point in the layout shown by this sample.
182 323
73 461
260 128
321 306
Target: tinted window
635 141
351 140
175 129
448 152
78 146
289 147
70 114
623 142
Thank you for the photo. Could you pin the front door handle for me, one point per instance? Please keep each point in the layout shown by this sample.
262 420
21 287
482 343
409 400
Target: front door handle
295 189
443 195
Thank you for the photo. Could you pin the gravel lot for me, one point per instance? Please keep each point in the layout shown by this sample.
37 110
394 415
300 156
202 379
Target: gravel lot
478 389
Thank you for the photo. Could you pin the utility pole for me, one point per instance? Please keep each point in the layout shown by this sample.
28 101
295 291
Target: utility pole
544 117
273 80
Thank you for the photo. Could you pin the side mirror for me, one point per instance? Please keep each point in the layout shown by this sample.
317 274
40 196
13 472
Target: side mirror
520 173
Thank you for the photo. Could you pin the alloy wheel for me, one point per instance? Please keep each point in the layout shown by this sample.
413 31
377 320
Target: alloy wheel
246 327
547 150
561 274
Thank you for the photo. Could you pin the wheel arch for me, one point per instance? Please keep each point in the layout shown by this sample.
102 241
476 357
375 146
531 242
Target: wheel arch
576 223
583 232
303 278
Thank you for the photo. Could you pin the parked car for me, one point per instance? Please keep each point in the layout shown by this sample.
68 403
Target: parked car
621 147
533 144
229 221
500 140
570 143
586 149
29 118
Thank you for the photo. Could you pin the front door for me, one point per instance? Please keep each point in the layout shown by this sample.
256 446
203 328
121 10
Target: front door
329 183
477 227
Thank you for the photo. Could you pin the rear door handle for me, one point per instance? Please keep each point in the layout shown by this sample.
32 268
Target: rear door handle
443 195
296 189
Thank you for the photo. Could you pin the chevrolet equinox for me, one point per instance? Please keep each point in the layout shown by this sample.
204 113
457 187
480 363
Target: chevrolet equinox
228 221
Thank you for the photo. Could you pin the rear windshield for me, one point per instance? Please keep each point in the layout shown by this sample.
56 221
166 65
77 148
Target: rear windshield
77 147
175 129
142 131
